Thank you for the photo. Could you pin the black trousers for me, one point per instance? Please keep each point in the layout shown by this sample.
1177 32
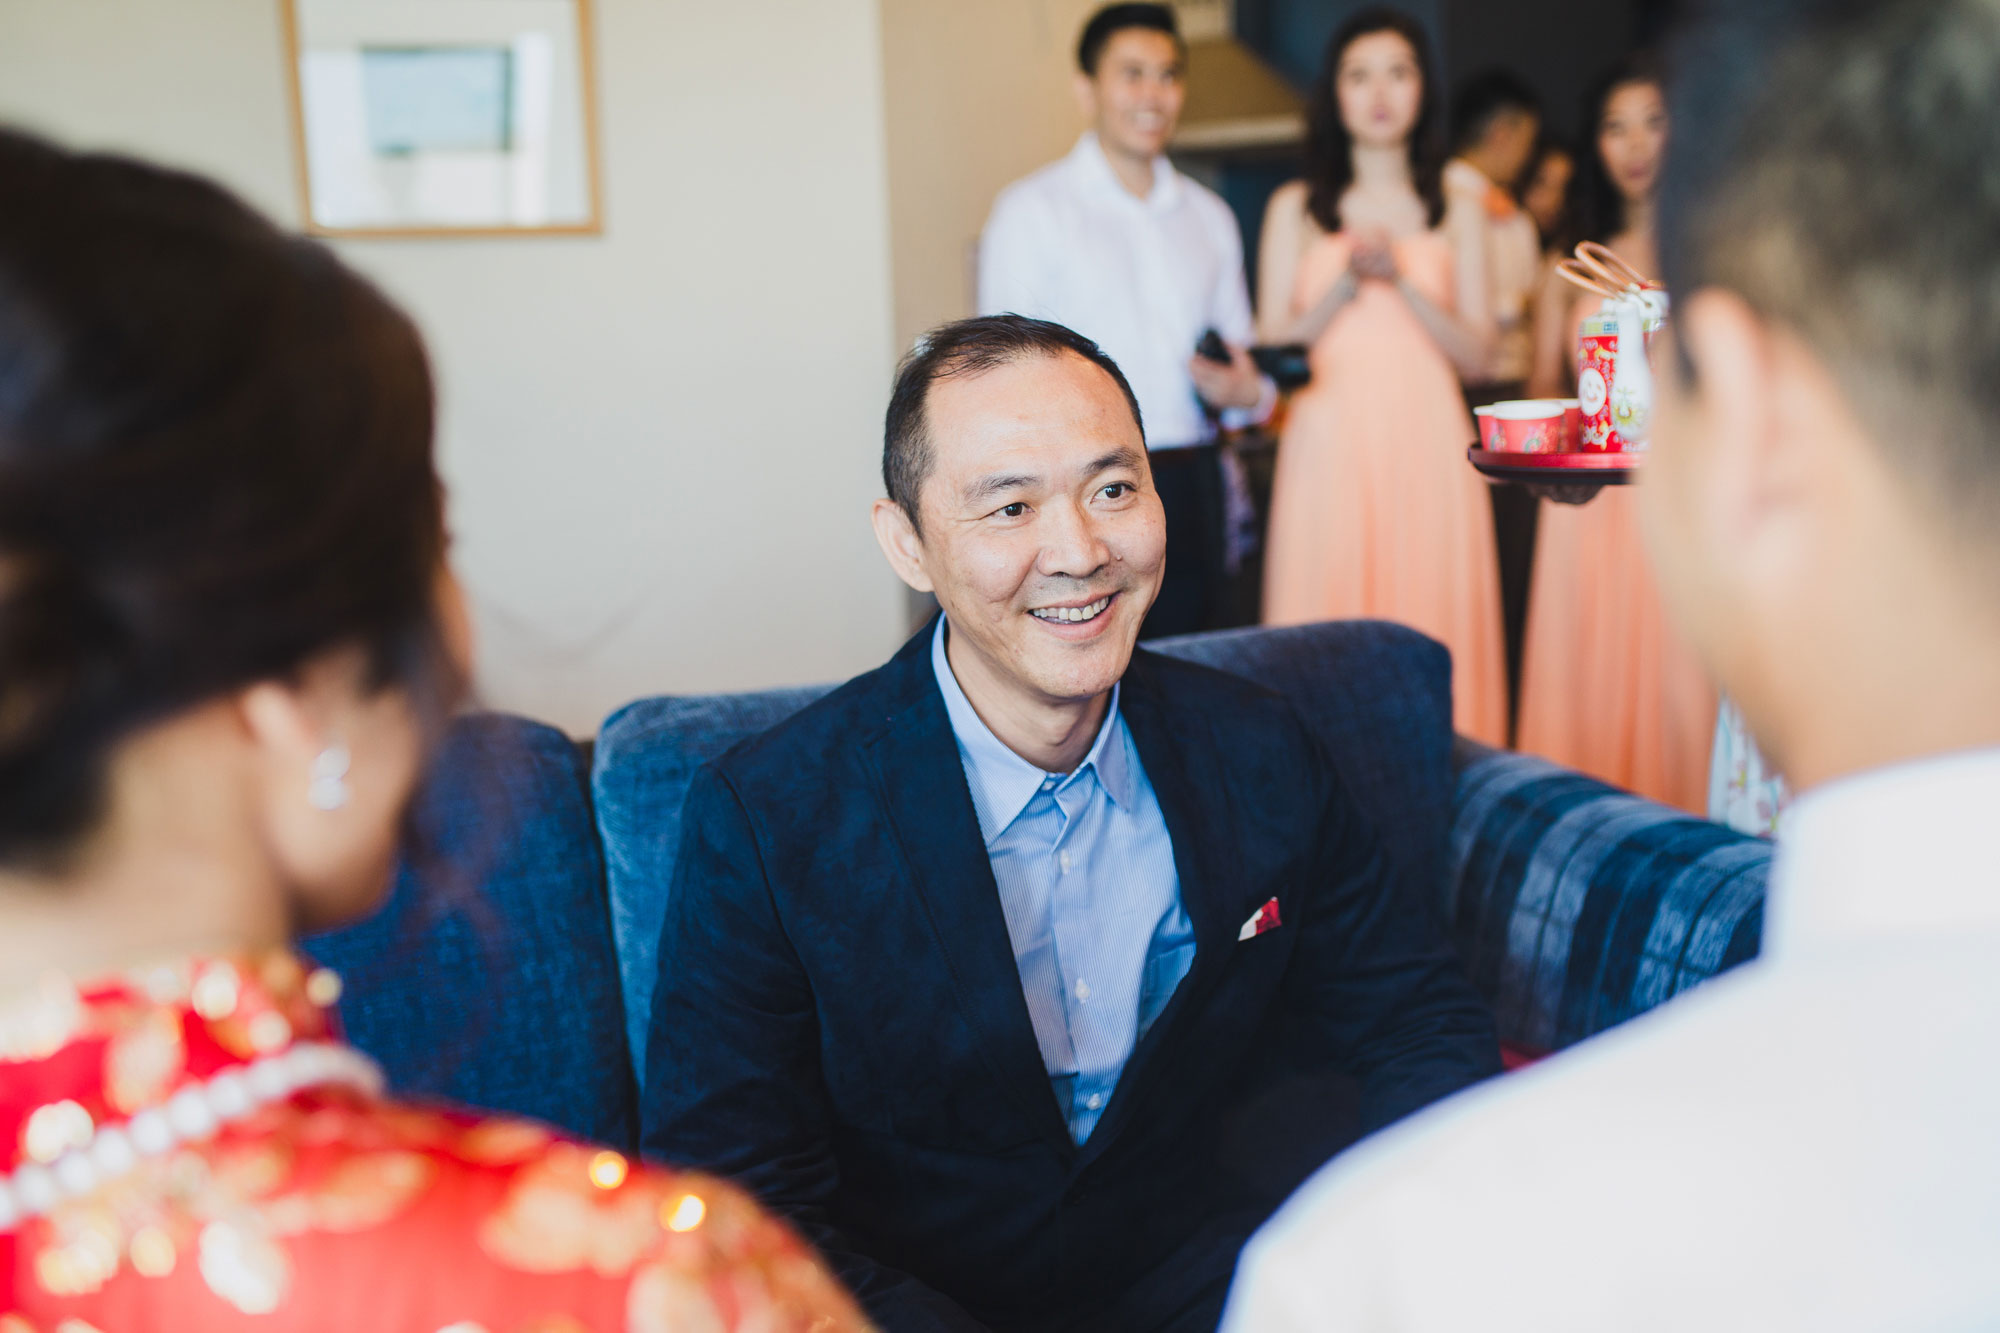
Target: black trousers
1192 595
1516 513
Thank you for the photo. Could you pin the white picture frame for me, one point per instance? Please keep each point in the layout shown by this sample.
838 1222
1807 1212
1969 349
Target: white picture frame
443 117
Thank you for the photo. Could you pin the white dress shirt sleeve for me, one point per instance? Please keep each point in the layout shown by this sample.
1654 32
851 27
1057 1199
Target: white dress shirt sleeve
1233 320
1261 1301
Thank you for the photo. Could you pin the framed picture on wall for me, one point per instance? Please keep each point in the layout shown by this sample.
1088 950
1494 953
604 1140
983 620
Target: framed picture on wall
443 117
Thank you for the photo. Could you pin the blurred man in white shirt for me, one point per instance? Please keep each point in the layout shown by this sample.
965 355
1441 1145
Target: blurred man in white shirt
1496 120
1809 1142
1116 244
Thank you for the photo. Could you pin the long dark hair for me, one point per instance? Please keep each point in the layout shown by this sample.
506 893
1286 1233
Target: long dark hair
1561 239
215 463
1329 147
1597 206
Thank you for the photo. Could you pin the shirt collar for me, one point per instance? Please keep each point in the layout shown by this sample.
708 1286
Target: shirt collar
1897 851
1089 160
1003 782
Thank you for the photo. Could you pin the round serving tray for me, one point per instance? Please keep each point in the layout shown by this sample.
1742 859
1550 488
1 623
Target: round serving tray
1558 469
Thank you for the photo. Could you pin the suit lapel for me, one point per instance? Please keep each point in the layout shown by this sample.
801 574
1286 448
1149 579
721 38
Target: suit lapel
930 808
1172 750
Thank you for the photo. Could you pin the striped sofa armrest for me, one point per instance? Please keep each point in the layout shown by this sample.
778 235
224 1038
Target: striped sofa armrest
1577 906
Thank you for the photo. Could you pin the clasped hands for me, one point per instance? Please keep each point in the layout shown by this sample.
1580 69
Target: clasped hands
1239 384
1374 256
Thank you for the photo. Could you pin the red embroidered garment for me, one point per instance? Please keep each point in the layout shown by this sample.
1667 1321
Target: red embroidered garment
188 1149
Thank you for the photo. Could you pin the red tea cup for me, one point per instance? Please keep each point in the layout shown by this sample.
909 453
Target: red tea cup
1522 426
1572 425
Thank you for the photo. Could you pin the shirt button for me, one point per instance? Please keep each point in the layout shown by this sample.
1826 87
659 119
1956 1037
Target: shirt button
1094 1101
1063 861
1082 989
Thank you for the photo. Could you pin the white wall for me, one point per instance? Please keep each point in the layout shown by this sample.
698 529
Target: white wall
661 443
978 92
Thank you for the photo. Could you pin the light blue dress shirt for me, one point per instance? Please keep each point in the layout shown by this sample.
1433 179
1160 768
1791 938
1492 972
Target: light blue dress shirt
1087 883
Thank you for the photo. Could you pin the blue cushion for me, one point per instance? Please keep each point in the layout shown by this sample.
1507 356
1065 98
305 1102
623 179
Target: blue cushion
1378 695
487 979
1577 906
647 754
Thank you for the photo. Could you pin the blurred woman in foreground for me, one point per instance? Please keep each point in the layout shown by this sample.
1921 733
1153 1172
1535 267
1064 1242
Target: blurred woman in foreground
1606 685
227 639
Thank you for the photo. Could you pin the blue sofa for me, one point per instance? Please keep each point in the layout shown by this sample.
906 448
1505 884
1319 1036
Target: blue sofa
513 964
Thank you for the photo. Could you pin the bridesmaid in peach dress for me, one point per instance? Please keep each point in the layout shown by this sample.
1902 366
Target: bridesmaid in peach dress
1606 685
1374 511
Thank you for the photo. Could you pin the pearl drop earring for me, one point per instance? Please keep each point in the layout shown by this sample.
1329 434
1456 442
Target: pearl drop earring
329 789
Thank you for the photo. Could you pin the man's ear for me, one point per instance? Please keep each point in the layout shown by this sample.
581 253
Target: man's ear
1085 89
901 542
1729 363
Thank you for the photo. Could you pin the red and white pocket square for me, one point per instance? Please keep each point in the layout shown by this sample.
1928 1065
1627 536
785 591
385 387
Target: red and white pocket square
1263 919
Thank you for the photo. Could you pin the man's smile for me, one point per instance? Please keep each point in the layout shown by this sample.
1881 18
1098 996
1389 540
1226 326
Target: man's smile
1074 614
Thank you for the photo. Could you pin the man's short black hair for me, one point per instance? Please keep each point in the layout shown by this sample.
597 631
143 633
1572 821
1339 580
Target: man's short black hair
1836 164
969 347
1111 20
1482 99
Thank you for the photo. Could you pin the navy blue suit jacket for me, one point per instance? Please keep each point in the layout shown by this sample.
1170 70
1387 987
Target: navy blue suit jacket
839 1023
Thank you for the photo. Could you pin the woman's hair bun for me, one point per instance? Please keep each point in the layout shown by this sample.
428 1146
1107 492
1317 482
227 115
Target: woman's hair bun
215 463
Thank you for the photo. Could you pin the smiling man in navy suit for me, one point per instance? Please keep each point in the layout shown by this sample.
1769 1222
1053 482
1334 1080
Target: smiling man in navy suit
969 966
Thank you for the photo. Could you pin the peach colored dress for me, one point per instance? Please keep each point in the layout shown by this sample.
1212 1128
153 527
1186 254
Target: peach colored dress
1607 686
1374 510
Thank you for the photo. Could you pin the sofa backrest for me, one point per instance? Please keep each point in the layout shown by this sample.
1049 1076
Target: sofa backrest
486 977
647 754
1577 906
1377 695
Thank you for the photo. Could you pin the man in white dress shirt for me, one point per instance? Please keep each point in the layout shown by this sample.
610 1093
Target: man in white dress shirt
1115 243
1812 1141
1496 119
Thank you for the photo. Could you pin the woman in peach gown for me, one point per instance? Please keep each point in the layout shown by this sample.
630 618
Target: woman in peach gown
1374 512
1606 685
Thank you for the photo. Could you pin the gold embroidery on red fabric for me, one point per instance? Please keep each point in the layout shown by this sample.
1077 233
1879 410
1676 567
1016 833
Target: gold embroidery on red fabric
683 1214
144 1061
555 1220
55 1129
365 1192
385 1125
217 991
245 1268
81 1252
323 987
665 1301
503 1142
41 1022
223 1203
247 1169
152 1252
282 973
